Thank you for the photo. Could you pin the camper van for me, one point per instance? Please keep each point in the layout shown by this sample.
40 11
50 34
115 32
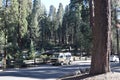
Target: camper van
61 58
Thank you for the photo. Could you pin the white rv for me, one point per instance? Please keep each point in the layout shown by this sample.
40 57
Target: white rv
61 58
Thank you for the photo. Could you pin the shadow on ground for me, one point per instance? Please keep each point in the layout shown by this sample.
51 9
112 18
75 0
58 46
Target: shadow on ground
43 71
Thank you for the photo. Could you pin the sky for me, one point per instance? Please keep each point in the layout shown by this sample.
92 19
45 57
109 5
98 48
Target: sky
47 3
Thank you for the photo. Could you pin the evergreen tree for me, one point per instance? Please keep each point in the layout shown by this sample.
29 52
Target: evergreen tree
115 31
22 23
0 3
65 26
53 25
12 29
1 24
74 20
5 30
45 31
85 29
37 15
59 21
29 6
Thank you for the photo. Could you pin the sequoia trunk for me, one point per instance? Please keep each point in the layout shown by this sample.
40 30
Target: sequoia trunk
101 37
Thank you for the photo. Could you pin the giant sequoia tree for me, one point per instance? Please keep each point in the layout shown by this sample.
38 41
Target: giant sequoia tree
101 36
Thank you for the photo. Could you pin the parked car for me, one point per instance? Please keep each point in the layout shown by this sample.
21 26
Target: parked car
114 58
61 58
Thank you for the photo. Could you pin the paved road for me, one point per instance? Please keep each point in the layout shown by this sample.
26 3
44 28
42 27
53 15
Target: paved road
45 72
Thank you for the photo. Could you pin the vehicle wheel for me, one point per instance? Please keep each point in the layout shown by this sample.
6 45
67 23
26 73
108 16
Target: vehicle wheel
69 62
53 64
62 63
116 60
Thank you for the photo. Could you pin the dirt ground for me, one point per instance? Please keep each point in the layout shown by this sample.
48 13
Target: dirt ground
107 76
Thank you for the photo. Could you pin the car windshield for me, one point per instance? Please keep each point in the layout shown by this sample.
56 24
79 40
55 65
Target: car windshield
68 55
114 56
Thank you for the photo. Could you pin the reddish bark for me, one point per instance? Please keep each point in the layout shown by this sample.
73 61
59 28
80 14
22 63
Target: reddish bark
101 37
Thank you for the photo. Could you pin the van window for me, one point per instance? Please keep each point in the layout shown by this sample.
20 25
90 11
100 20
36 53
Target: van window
61 56
68 55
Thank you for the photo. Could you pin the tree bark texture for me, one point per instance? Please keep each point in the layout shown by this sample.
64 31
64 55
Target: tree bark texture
101 37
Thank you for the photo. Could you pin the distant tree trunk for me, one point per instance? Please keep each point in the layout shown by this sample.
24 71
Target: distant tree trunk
91 4
59 38
19 40
55 38
64 34
60 35
5 25
75 37
101 37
